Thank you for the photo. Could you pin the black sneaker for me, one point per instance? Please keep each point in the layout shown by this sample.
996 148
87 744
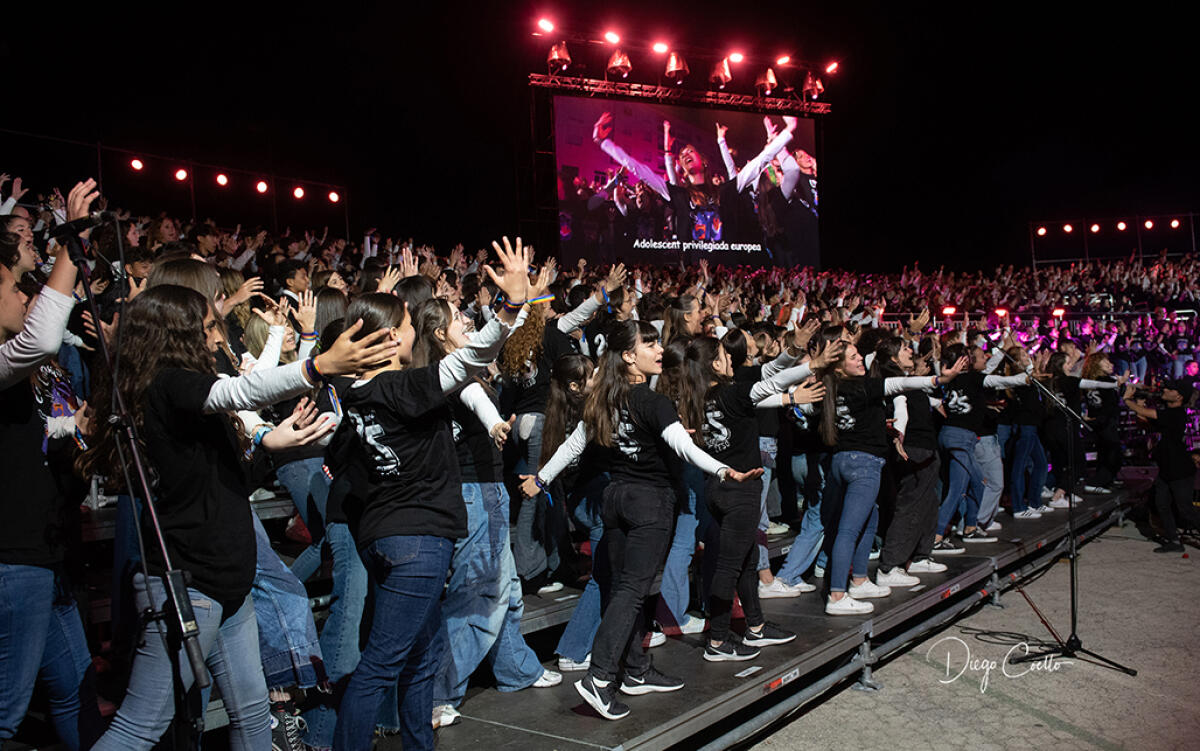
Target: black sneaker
767 636
650 682
287 727
603 700
946 546
978 535
1169 547
729 651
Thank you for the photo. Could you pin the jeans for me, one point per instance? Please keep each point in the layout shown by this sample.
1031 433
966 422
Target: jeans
966 477
1177 367
534 547
735 508
231 654
637 530
576 641
809 473
339 634
309 488
483 603
1004 436
916 509
407 639
1138 366
41 637
676 591
856 474
1028 451
987 456
768 449
287 635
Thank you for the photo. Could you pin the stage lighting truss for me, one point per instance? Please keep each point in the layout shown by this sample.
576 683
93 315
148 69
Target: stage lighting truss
593 86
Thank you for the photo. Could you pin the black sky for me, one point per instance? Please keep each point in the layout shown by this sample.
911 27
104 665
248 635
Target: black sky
952 125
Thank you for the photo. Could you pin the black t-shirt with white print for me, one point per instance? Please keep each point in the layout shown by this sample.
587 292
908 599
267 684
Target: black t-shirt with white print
965 402
532 387
638 451
920 432
414 486
860 417
731 426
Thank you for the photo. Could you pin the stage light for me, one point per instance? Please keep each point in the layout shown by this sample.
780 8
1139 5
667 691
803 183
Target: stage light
766 82
660 47
1001 312
261 186
1041 231
559 58
783 60
334 197
181 174
1095 228
222 179
831 68
298 192
619 65
1121 226
736 57
720 74
1067 228
812 86
136 164
1174 224
1058 312
546 25
949 310
1148 224
612 37
677 67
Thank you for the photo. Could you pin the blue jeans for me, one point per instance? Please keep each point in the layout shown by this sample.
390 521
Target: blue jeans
987 456
1004 436
339 634
809 474
856 474
533 551
287 635
309 488
483 604
966 477
576 641
407 640
231 654
675 589
1138 366
41 637
1027 452
768 449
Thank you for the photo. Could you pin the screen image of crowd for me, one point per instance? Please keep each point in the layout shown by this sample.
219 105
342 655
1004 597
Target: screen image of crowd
422 406
652 183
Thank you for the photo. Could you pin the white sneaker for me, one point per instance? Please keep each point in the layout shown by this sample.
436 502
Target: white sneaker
696 625
548 678
1045 508
657 639
926 566
567 665
777 528
1064 503
1097 489
847 606
1029 513
896 578
549 589
867 590
445 715
819 572
777 588
994 526
1047 494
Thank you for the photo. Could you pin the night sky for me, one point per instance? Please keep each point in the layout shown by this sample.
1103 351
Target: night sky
952 125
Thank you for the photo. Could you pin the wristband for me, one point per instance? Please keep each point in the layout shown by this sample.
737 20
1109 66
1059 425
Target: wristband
511 306
538 481
607 304
313 371
308 336
543 298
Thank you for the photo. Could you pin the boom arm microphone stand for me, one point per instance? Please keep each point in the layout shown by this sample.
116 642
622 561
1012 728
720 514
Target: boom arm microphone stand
177 610
1073 646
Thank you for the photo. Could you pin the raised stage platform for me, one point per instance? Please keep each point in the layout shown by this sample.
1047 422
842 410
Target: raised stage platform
724 703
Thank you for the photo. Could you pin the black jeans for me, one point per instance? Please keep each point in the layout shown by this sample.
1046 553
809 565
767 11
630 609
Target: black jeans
1108 453
736 509
637 531
911 533
1171 496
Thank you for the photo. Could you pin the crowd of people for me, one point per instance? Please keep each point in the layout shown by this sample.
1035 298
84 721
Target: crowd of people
459 430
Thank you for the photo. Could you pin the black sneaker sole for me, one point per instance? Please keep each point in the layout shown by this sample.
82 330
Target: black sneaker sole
595 703
712 656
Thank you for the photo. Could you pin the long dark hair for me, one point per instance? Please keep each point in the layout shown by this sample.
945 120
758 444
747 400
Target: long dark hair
611 389
564 406
377 310
430 317
163 327
884 365
734 343
830 380
674 323
331 305
702 351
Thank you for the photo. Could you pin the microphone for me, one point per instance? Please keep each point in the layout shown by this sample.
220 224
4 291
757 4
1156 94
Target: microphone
75 226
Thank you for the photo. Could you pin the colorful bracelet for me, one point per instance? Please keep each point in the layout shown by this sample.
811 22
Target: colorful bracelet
313 371
513 307
308 336
543 298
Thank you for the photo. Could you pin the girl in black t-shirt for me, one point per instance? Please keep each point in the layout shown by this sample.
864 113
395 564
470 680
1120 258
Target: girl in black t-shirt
634 427
1060 429
1104 416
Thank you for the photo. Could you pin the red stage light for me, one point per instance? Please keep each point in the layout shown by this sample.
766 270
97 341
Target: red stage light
1174 224
1041 231
222 179
136 164
1149 224
1058 312
181 174
546 25
661 48
949 310
1095 228
261 186
1121 226
1001 312
736 57
831 68
298 192
334 197
612 37
783 59
1067 228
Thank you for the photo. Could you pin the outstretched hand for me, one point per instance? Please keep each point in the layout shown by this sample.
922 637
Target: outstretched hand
734 475
347 356
603 128
513 277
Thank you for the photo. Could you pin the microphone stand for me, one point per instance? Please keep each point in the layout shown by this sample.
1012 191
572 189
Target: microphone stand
176 612
1073 646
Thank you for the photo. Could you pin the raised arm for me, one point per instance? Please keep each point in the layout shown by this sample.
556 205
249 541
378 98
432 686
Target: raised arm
750 171
600 134
1008 382
731 169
